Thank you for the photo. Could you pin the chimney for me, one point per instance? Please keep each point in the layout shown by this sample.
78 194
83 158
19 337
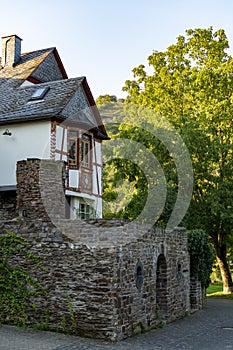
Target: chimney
11 50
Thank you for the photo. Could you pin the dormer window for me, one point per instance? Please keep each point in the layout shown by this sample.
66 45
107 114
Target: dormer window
39 94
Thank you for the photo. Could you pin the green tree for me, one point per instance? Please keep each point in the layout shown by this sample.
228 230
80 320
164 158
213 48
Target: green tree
192 86
126 179
105 99
111 111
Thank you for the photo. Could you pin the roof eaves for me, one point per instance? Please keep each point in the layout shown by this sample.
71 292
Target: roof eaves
94 107
46 114
60 64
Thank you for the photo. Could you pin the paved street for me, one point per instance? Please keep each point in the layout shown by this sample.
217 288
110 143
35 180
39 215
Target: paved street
211 328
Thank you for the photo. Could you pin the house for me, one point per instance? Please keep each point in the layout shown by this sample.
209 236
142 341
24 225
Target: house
45 115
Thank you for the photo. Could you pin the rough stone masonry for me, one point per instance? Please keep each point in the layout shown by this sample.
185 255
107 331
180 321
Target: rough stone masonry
104 278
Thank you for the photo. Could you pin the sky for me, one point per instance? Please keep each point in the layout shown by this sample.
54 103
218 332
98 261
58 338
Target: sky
105 39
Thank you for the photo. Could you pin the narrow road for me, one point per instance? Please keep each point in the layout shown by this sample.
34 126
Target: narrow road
208 329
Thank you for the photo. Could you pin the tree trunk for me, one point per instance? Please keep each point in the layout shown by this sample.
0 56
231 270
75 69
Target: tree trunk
224 269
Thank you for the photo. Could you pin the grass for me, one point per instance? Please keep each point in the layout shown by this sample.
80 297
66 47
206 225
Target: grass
216 290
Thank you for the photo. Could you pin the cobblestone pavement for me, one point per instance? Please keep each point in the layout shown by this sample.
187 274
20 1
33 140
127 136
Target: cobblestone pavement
211 328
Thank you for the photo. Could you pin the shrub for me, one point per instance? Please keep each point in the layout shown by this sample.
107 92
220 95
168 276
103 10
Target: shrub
201 256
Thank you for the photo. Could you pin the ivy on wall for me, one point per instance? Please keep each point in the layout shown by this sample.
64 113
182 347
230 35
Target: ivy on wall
17 286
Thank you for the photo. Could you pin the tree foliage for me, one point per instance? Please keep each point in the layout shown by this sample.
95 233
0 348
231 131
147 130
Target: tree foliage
105 99
192 86
112 112
130 198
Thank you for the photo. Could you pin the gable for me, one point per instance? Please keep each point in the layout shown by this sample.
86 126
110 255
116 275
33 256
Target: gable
79 111
50 69
37 66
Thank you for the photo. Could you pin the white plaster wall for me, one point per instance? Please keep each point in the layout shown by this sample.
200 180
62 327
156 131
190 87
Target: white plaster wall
74 205
59 132
28 140
59 136
97 170
73 178
98 151
98 207
94 181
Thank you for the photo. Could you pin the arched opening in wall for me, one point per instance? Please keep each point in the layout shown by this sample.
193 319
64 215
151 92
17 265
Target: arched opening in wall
161 287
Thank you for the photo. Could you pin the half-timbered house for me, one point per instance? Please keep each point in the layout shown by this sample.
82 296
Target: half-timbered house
45 115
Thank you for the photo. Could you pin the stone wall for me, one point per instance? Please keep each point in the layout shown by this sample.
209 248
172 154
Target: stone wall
80 286
197 294
112 291
7 205
40 189
104 278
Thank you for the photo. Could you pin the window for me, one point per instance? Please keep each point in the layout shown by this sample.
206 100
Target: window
85 211
72 151
39 94
85 150
72 148
79 149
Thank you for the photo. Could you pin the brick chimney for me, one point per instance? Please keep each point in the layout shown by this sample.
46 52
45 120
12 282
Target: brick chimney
11 50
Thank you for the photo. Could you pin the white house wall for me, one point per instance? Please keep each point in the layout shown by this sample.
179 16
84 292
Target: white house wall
99 207
73 178
27 140
61 143
98 152
32 140
97 180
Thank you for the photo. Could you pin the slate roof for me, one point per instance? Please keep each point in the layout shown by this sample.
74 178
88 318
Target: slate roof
14 98
17 107
29 62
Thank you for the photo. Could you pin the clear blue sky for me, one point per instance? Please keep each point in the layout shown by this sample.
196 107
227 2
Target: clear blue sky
105 39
